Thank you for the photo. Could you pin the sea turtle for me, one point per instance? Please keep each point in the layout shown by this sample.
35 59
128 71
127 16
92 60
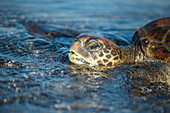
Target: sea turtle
149 52
150 43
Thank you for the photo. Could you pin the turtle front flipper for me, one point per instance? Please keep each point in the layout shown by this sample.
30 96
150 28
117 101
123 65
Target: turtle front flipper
45 29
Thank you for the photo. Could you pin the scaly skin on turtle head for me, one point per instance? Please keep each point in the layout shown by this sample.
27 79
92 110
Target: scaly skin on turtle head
94 50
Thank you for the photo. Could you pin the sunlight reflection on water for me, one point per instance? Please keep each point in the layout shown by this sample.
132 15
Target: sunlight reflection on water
36 76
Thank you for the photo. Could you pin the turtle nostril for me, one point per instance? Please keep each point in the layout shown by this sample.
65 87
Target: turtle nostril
72 52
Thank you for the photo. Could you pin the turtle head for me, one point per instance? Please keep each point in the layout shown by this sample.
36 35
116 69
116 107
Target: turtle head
94 50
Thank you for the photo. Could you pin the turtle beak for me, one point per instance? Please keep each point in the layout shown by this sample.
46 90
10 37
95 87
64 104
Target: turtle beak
78 54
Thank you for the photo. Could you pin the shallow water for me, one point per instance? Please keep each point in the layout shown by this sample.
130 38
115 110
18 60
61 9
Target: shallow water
36 75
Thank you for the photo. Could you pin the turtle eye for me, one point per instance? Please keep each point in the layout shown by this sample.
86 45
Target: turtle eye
93 45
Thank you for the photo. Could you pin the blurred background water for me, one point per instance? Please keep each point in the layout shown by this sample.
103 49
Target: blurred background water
36 75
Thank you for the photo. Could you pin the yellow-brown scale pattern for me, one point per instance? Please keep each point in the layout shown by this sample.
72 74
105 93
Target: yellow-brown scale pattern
108 56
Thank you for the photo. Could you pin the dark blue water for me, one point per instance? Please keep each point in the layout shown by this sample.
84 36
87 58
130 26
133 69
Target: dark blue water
36 75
